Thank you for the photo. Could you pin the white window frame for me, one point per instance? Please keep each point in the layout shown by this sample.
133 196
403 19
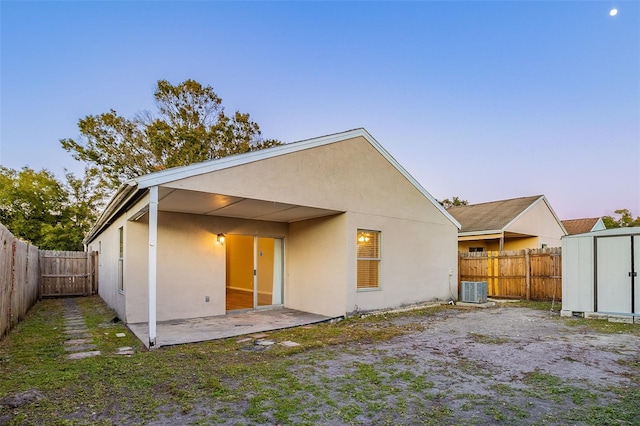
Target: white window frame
121 260
360 232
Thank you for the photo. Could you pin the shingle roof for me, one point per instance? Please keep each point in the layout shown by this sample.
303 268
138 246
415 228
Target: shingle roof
580 226
491 216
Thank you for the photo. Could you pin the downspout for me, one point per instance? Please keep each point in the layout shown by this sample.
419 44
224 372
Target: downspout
153 255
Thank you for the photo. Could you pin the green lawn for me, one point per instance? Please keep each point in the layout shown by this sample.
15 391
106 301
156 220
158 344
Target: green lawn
220 382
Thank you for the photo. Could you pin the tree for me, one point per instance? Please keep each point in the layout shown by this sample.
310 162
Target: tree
454 202
190 126
624 220
37 208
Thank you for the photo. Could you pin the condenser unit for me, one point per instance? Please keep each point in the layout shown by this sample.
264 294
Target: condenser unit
474 291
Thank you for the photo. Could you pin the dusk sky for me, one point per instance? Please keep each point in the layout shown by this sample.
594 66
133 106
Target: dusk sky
481 100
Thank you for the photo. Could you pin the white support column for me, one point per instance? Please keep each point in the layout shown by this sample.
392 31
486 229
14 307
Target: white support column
153 248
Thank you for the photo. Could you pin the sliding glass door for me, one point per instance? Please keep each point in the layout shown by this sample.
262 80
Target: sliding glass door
254 272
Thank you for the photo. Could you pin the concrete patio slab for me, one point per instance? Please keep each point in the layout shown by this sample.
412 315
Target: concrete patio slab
194 330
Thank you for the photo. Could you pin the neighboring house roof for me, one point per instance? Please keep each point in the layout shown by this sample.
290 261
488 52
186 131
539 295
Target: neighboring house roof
581 226
494 216
133 188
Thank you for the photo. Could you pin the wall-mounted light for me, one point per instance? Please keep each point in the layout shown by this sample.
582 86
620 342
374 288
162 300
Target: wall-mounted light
220 239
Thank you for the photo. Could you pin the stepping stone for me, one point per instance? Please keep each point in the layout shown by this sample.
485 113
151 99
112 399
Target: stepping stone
258 336
289 344
76 331
76 342
82 355
264 342
76 336
245 339
253 348
82 327
120 334
126 350
80 348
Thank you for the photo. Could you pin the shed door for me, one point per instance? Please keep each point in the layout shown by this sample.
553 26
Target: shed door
614 269
636 273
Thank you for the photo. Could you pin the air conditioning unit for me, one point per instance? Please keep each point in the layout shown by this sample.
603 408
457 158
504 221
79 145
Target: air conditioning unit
474 291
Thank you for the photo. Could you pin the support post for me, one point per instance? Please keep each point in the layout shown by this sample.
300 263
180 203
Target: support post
527 269
153 248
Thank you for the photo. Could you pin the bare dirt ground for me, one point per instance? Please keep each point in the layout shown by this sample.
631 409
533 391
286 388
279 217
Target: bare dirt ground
470 366
449 366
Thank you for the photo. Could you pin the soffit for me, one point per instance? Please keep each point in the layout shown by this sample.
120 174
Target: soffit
195 202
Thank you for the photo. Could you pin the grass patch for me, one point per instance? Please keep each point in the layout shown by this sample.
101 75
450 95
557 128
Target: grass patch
604 326
257 386
343 373
547 386
488 340
538 305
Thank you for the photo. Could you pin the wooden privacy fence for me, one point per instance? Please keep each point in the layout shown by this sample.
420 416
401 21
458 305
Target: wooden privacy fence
19 279
531 274
27 274
68 273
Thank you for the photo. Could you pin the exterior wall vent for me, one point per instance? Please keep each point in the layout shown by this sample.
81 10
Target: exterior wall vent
474 291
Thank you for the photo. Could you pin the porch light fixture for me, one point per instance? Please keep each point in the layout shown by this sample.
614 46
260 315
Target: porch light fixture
220 239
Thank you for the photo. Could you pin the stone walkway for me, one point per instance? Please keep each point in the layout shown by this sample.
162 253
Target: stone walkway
79 343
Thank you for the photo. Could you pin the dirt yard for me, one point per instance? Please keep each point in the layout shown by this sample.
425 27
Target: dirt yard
501 365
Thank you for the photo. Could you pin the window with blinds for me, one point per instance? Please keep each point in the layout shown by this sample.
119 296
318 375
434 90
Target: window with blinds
368 259
121 260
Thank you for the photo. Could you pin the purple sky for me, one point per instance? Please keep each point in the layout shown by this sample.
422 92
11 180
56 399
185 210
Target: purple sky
482 100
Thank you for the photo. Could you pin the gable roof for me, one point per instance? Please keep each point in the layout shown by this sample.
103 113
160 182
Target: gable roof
494 216
580 226
133 188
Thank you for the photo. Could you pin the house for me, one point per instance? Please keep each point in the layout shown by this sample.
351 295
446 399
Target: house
330 225
600 274
514 224
581 226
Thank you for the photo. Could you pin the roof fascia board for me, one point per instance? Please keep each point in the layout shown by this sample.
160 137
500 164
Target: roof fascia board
523 212
598 222
410 178
474 233
170 175
125 193
541 198
177 173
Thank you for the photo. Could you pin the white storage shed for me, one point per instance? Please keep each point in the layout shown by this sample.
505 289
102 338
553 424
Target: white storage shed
600 274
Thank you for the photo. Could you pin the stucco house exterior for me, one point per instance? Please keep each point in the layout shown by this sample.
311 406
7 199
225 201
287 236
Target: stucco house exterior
581 226
329 225
513 224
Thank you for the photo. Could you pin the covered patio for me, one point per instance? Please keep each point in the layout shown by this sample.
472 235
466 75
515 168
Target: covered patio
176 332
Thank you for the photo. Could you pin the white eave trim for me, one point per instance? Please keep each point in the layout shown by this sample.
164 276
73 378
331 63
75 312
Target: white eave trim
132 186
474 233
122 195
541 198
177 173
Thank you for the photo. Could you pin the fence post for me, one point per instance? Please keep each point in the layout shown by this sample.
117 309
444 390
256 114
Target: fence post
527 273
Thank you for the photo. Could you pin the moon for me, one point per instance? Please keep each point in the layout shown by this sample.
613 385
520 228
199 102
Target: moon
613 12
